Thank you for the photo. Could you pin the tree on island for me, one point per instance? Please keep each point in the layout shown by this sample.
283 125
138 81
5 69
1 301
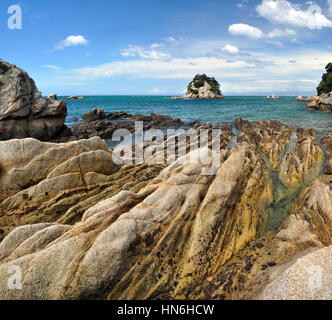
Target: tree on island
326 84
199 81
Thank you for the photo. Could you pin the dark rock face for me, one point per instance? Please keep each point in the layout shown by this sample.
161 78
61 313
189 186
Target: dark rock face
23 110
94 114
96 124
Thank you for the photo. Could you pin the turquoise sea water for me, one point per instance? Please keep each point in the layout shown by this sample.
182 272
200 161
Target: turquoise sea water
285 110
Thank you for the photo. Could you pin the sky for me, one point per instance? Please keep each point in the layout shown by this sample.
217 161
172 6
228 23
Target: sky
153 47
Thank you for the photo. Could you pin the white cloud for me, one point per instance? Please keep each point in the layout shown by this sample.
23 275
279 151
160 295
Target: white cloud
157 45
241 29
294 40
71 41
239 76
161 69
255 33
230 49
329 2
141 52
52 67
280 33
173 41
284 12
275 43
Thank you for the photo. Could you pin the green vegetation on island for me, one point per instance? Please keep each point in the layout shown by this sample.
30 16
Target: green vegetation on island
325 85
199 82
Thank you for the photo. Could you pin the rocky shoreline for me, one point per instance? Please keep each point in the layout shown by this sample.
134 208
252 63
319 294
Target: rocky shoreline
88 228
81 224
318 103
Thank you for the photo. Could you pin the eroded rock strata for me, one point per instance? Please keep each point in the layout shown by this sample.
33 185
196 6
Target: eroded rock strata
89 228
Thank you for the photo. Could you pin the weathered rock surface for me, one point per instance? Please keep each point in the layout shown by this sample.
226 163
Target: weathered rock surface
321 103
327 143
43 182
308 278
23 110
182 232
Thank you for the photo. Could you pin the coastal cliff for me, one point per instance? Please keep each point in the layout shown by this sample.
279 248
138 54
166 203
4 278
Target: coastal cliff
23 110
203 87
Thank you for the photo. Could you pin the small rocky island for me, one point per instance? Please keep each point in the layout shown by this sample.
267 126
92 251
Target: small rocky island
203 87
323 100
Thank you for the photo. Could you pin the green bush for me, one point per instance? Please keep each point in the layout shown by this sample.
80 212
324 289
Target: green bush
199 81
325 85
199 84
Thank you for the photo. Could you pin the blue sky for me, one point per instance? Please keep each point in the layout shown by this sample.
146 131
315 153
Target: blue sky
156 47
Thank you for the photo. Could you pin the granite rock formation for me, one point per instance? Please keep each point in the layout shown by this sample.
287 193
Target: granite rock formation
79 230
23 110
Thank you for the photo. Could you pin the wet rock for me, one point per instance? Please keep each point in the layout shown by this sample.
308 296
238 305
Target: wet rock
75 98
271 136
119 115
304 157
94 114
105 231
327 143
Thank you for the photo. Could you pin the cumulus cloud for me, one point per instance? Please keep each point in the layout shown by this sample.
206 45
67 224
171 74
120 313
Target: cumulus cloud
72 41
241 29
284 12
230 49
141 52
160 69
280 33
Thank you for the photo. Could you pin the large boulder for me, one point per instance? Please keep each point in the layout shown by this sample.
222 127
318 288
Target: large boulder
94 114
23 110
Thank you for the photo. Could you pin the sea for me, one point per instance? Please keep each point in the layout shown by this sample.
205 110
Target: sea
286 110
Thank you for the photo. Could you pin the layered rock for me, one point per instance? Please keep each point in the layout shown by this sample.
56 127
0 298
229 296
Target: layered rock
183 232
47 182
23 110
